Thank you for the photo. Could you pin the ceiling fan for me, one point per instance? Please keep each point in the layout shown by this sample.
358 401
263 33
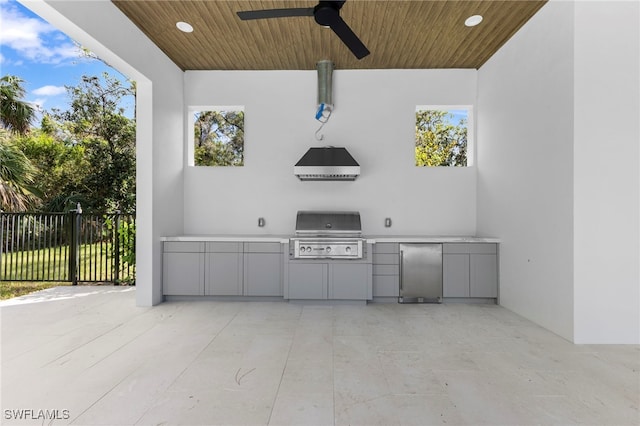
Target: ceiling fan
325 13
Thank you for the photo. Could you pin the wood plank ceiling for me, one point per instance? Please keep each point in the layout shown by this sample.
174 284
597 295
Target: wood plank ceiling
400 34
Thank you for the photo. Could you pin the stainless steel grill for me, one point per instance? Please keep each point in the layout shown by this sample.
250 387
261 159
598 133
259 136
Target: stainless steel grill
328 235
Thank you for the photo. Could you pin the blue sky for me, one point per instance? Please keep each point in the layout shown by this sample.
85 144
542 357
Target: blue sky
45 58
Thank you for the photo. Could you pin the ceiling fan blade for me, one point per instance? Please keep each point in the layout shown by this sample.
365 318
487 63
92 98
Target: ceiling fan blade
274 13
348 37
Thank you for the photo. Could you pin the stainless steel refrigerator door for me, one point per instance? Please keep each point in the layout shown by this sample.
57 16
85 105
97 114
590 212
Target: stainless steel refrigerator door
420 272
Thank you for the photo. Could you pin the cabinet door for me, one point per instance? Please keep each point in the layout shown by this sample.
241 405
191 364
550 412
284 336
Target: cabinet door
183 274
263 274
386 286
224 274
484 275
349 281
455 275
307 280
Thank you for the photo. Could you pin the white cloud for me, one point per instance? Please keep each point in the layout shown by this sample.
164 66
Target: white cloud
49 90
38 103
30 37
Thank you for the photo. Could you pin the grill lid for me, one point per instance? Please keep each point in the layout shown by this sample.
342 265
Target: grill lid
328 223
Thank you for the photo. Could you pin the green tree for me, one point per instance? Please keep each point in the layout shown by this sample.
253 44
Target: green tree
97 123
16 171
16 115
17 192
219 138
439 142
61 169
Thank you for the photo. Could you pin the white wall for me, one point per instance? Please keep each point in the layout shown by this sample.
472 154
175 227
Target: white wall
102 28
374 118
558 161
606 178
525 166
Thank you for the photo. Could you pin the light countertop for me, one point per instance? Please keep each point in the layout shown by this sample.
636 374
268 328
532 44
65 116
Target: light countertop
429 239
230 238
370 239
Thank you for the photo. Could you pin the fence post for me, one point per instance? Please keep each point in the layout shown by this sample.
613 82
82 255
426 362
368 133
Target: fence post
74 244
1 242
116 248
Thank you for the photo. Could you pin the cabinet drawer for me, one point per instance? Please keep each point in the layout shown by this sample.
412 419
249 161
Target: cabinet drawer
262 248
469 248
183 247
389 248
224 247
386 259
386 269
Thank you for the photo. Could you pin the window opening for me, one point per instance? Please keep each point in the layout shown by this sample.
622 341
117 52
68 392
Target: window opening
218 136
441 136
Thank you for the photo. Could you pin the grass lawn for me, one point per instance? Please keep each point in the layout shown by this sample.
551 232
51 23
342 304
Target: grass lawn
52 264
10 289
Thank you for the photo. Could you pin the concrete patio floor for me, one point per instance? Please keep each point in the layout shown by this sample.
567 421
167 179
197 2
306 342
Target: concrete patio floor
88 356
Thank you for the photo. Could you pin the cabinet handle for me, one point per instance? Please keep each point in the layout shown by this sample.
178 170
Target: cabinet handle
401 260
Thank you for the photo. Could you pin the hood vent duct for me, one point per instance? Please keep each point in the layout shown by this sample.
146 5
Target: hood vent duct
325 86
328 163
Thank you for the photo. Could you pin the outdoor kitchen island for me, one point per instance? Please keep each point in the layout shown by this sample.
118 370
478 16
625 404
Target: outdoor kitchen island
261 267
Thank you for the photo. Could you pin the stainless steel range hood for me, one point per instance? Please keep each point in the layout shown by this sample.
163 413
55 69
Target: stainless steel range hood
328 163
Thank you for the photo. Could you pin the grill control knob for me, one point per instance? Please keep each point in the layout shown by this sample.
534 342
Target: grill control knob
348 250
308 248
328 250
302 249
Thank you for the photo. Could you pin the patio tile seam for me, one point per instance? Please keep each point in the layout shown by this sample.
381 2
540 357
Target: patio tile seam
284 368
178 376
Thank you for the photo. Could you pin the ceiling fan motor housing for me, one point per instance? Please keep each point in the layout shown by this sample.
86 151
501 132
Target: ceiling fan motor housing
327 13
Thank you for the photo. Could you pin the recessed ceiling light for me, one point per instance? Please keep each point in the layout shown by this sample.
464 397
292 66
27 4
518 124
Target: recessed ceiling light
184 27
472 21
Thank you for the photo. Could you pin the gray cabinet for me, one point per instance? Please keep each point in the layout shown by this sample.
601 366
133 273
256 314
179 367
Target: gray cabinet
263 269
455 275
308 280
386 270
483 279
224 274
183 269
470 270
340 280
349 281
222 269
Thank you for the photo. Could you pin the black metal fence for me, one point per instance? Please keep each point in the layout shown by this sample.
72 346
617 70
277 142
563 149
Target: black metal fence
71 246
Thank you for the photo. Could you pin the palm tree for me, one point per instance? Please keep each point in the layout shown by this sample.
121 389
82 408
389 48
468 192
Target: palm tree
16 171
16 177
16 115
